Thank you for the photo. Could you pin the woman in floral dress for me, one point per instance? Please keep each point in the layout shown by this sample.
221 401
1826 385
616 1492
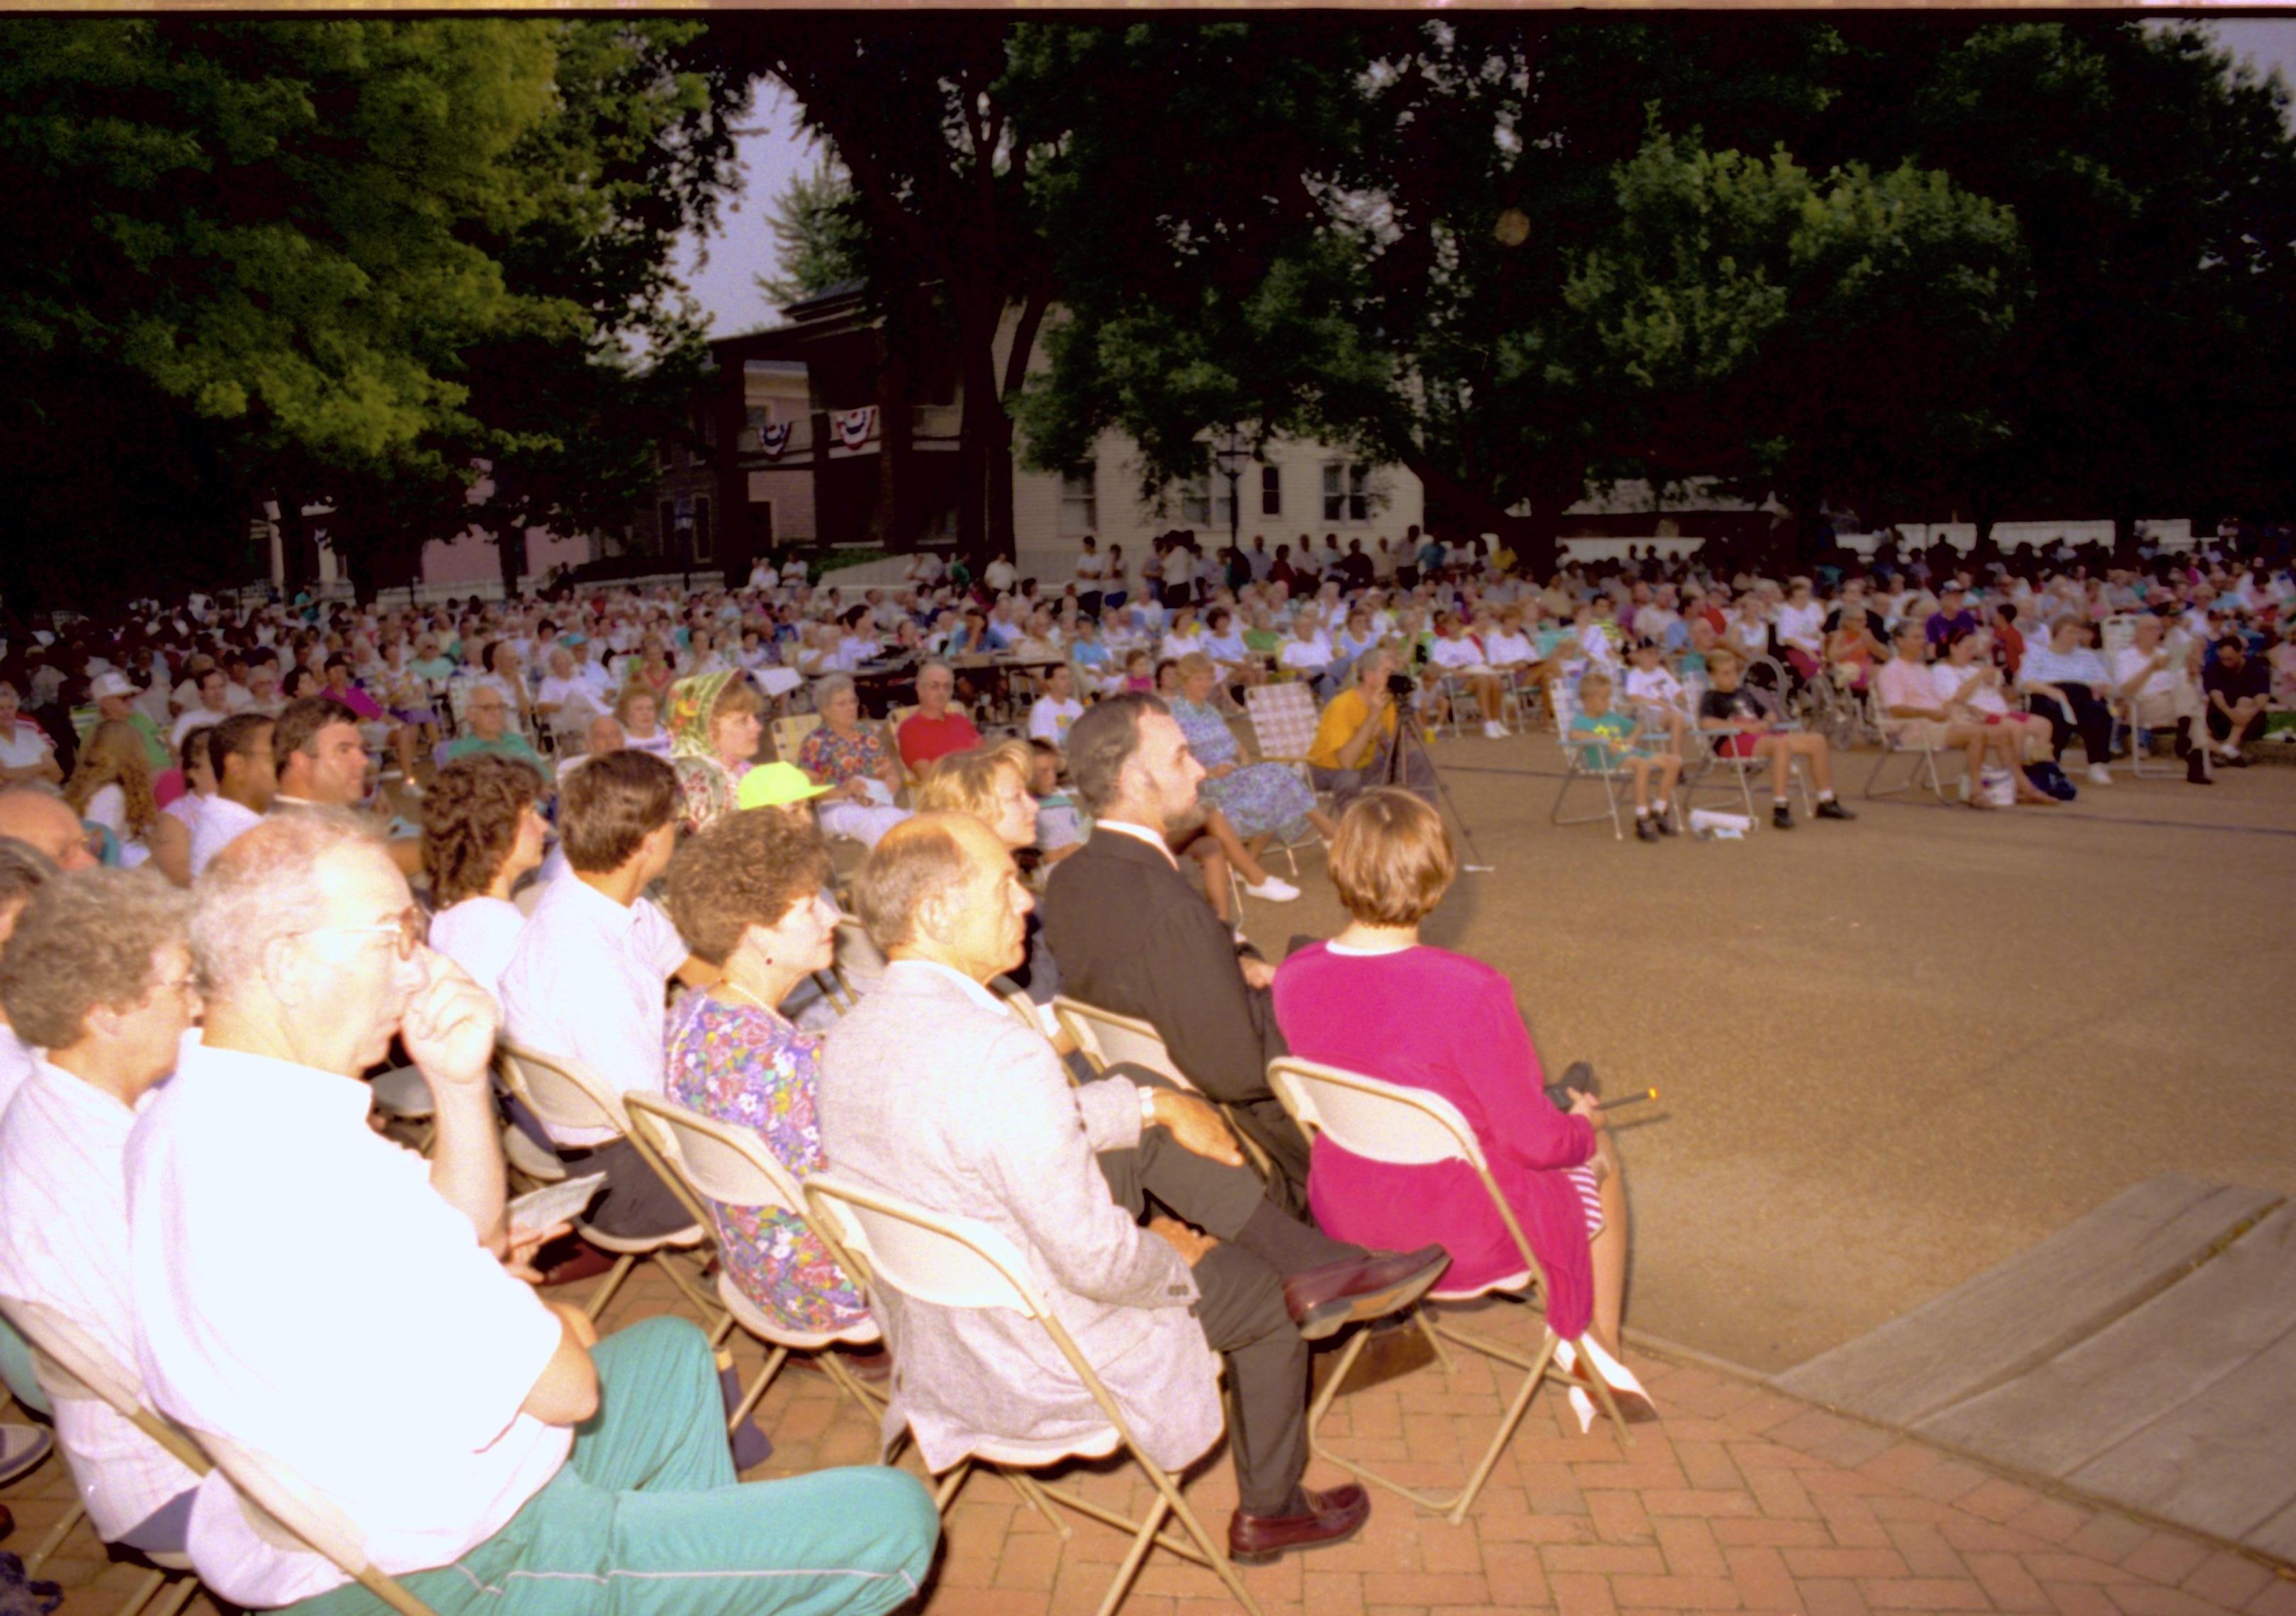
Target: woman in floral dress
746 894
850 757
1258 799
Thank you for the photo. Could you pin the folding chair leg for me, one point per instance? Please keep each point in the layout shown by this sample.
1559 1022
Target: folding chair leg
1213 1553
72 1516
140 1595
774 1361
1141 1541
1426 1327
705 1306
1033 1496
871 1403
175 1598
1515 1411
946 1493
607 1286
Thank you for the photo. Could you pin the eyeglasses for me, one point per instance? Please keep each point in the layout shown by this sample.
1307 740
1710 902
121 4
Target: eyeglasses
412 928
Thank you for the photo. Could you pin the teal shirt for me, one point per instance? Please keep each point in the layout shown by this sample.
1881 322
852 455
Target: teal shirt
514 747
1606 733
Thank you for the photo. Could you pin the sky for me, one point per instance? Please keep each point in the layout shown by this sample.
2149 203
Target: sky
774 150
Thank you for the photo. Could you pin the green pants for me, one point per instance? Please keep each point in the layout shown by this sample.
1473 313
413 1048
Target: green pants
646 1516
16 1370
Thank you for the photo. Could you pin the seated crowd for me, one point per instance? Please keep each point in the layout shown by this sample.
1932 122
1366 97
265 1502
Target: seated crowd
184 1049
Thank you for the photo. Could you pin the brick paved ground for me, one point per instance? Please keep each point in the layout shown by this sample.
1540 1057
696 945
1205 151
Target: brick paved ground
1738 1499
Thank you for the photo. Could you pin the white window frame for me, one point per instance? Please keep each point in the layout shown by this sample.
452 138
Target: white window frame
1080 499
1347 493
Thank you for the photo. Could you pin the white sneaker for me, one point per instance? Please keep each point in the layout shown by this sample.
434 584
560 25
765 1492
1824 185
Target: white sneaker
1496 730
1274 889
2098 775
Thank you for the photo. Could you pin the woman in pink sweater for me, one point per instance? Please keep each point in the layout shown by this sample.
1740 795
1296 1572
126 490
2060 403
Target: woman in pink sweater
1376 1000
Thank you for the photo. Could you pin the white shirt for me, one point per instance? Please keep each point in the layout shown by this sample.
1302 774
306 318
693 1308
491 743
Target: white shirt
269 1351
1653 687
2164 679
999 575
1455 654
198 716
1049 718
17 1060
587 980
1314 652
480 934
24 745
220 824
1504 650
63 1244
1802 628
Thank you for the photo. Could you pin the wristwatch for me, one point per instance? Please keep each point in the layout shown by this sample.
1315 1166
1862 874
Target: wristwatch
1147 1108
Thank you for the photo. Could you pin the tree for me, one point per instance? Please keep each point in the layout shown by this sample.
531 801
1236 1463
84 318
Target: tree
1508 252
914 108
362 254
818 237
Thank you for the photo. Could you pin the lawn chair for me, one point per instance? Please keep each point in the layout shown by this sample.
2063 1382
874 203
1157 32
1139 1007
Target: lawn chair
1410 1128
565 1094
1617 780
74 1367
1283 718
958 1262
1712 758
1924 774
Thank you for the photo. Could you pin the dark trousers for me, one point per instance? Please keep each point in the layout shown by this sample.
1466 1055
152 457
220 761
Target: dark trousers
2220 726
1240 1306
633 1203
2091 720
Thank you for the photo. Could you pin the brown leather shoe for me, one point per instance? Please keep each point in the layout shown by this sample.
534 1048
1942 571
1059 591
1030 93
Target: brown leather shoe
1323 1300
1329 1517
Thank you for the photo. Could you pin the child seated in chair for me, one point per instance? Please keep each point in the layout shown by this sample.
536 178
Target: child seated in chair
1612 740
1656 696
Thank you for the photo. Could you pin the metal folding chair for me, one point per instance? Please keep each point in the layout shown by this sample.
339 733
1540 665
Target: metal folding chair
1282 719
289 1512
566 1093
74 1367
958 1262
713 1165
1614 777
1410 1128
1109 1039
1924 774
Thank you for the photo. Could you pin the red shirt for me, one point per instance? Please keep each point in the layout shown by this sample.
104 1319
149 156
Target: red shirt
924 740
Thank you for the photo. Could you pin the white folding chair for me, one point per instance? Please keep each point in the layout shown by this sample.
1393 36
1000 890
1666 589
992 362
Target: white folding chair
713 1165
567 1094
291 1513
1109 1039
1924 774
1617 781
73 1368
1410 1128
959 1262
857 958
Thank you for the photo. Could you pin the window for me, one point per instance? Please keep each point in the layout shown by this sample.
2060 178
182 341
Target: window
1196 502
1080 499
666 527
705 542
1347 493
1205 500
1271 490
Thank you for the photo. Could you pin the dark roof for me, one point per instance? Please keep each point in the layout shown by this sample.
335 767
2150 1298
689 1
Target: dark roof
843 292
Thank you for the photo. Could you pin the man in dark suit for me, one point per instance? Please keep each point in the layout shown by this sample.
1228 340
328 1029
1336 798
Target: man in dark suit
1132 935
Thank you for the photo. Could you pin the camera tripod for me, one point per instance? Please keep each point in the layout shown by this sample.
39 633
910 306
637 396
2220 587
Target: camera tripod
1409 736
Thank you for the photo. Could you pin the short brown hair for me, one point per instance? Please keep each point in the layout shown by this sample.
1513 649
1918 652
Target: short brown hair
84 940
298 724
1391 858
746 870
917 861
244 735
1101 742
966 783
612 804
469 822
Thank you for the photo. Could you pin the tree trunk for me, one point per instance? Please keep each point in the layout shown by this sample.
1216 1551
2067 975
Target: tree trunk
297 564
510 553
983 425
1534 539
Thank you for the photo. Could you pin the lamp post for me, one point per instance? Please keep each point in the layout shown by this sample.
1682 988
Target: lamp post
1231 453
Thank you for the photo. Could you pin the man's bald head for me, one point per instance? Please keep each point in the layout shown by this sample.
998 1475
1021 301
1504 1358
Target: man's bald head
42 820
